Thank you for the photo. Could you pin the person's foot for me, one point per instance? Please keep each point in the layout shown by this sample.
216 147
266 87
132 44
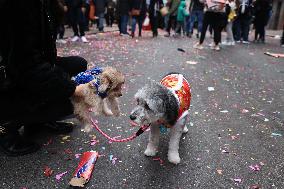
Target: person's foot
132 34
198 46
238 41
75 38
245 42
84 39
197 35
216 48
282 45
60 127
167 35
233 43
226 43
13 144
140 35
155 34
189 35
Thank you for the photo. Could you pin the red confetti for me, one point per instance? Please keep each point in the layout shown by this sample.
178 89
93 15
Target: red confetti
48 171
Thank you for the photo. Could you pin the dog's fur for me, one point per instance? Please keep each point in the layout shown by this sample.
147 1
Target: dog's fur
111 83
156 104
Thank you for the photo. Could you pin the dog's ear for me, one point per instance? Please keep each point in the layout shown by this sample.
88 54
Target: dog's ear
105 84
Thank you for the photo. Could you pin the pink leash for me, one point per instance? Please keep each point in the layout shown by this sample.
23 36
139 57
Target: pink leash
139 132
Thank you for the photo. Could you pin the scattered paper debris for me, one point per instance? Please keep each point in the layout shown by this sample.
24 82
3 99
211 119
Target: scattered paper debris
254 167
211 89
276 134
59 176
48 171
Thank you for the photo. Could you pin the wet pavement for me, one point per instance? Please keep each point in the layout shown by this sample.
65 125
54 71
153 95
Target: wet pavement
236 121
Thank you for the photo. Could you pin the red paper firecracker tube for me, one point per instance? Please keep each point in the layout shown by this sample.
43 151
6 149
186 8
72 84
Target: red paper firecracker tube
85 168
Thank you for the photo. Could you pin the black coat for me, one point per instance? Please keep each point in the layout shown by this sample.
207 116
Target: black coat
123 7
75 13
32 51
139 5
100 6
261 11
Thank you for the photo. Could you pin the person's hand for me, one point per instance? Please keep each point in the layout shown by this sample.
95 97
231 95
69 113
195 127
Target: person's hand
83 9
65 8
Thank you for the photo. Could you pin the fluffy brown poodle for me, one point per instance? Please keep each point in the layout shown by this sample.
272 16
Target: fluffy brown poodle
100 99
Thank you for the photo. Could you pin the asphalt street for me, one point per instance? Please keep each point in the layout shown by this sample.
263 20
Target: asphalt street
236 121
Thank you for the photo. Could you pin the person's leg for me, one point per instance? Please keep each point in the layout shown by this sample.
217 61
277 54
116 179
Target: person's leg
140 24
169 25
200 15
101 21
133 25
282 40
124 20
262 32
87 18
205 24
178 28
237 25
154 25
230 36
75 29
245 29
107 17
192 20
174 24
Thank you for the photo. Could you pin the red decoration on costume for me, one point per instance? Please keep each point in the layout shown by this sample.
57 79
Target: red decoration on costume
181 88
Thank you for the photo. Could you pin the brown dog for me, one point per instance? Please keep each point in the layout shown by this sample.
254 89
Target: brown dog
110 86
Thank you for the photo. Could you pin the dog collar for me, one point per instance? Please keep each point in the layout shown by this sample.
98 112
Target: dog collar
91 75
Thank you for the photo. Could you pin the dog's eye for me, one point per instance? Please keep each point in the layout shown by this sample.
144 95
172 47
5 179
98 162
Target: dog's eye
146 107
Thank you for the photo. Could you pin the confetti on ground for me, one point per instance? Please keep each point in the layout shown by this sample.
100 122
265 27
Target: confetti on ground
94 142
244 111
66 137
59 176
254 167
224 111
237 180
77 156
276 134
191 62
211 89
112 159
255 186
48 171
219 171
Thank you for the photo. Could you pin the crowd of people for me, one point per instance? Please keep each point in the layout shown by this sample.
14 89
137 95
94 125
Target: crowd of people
176 17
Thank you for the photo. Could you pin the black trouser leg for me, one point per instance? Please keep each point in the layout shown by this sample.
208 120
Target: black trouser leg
205 25
154 24
75 29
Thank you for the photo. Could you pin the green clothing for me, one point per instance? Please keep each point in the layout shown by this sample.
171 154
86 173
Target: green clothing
182 11
174 7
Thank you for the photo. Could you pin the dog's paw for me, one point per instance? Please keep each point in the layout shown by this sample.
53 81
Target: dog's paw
150 152
173 157
185 129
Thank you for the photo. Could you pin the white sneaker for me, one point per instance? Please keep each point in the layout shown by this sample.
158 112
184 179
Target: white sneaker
75 38
198 46
282 45
233 43
211 45
62 41
217 48
238 41
84 39
245 42
226 43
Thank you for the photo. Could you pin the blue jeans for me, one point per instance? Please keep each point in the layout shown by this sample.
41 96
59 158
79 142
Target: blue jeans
123 24
101 21
241 25
196 15
138 19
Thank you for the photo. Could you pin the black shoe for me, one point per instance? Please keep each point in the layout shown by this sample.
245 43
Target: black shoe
60 127
13 144
197 35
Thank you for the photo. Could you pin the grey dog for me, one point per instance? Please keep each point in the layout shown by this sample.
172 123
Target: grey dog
156 105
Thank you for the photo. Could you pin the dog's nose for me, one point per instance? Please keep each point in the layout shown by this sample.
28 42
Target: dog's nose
132 117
